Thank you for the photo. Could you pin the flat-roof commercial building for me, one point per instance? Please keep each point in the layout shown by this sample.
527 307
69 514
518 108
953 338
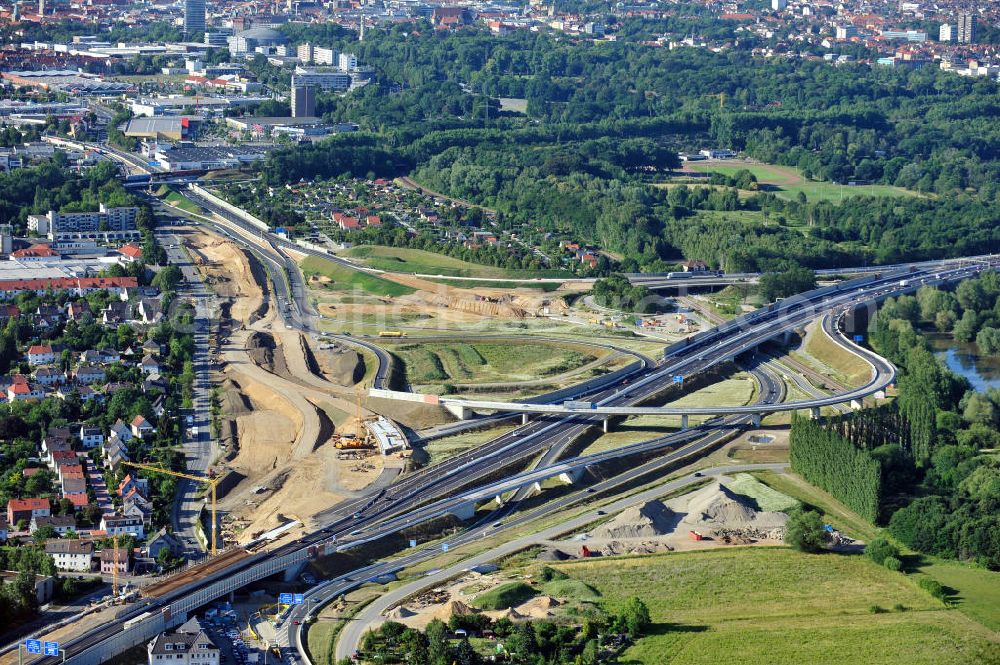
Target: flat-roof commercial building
68 81
173 128
157 106
188 157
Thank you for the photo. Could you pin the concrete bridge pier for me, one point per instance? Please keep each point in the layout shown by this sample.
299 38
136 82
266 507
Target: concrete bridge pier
465 511
786 337
857 405
459 411
814 413
606 425
292 574
524 418
684 422
755 419
572 476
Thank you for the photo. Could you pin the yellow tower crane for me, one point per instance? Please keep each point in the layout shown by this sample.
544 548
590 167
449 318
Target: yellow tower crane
211 482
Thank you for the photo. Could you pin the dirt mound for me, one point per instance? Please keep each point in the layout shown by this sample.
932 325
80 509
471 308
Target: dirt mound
232 400
510 614
340 364
650 519
538 608
553 554
453 608
261 348
719 507
401 613
716 506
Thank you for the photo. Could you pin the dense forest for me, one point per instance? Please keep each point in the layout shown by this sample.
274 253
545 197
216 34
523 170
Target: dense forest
605 120
935 482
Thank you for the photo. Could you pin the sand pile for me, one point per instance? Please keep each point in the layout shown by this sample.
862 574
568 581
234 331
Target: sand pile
650 519
510 614
453 608
553 554
401 613
715 506
538 607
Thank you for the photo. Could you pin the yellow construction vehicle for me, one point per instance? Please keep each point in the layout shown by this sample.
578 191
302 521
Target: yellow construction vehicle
354 441
211 482
390 333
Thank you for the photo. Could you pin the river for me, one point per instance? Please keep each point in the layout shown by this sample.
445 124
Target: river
982 371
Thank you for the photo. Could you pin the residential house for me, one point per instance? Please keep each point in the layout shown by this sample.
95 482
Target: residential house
134 504
149 311
115 313
122 431
91 436
74 489
151 347
149 364
89 375
141 427
59 458
41 354
154 382
115 456
162 540
130 482
26 509
99 357
72 555
694 265
130 253
47 376
78 310
119 525
189 645
62 524
111 558
84 393
20 391
49 312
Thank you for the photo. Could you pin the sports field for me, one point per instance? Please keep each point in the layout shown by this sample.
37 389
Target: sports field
787 182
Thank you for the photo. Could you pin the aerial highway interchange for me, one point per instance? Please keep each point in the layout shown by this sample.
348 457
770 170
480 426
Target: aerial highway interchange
492 469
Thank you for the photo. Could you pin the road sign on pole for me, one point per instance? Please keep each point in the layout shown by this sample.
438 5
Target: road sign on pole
413 542
444 547
678 379
859 338
51 648
285 598
298 599
33 646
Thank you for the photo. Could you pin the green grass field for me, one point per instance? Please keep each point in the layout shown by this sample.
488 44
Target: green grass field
506 595
345 279
406 260
183 203
787 182
767 498
774 605
485 362
975 591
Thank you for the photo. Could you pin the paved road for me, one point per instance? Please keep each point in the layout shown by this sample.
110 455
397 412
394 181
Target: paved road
200 448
